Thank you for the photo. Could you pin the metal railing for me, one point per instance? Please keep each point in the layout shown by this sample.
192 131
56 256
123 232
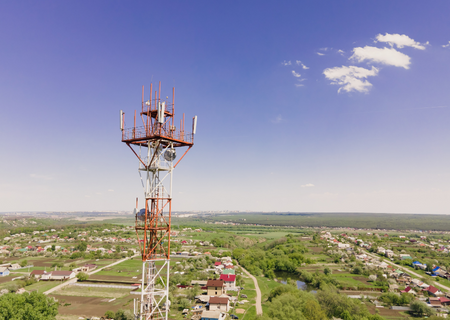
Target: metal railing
144 133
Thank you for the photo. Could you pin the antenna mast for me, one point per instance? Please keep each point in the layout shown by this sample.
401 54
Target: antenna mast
154 144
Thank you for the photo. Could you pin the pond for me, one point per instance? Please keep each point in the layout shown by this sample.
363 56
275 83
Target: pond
282 277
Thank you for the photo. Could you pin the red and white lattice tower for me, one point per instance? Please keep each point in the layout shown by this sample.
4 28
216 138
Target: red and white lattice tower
154 144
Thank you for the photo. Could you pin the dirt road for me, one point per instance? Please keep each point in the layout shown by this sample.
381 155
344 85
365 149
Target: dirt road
258 293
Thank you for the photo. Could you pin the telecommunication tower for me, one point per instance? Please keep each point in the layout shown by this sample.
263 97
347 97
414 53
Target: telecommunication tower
154 144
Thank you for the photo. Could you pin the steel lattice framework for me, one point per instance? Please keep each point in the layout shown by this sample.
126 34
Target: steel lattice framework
154 144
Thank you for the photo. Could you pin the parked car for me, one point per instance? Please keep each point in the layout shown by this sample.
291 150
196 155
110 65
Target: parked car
234 316
244 296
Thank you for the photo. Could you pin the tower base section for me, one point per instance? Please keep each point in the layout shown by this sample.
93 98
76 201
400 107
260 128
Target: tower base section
154 302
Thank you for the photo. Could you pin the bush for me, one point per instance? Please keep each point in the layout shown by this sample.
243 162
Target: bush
82 276
357 270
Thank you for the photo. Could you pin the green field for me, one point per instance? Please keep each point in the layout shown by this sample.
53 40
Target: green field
339 219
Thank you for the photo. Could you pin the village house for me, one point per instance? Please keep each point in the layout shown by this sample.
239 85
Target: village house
219 304
14 266
432 291
389 253
228 271
215 287
85 268
213 315
229 280
4 271
62 275
408 289
38 273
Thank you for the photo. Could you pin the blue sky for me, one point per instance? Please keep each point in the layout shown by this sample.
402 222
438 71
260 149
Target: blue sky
302 106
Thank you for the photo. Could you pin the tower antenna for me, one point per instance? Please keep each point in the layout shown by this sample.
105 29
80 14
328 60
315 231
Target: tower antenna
159 138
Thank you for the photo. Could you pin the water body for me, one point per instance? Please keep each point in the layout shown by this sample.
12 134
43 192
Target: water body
301 285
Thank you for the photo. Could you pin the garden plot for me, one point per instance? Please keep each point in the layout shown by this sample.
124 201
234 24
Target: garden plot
79 291
87 307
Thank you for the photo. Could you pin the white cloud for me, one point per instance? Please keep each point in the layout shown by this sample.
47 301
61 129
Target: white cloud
388 56
308 185
299 63
446 45
323 49
286 63
400 40
299 85
41 176
110 190
341 52
320 53
278 119
350 78
295 74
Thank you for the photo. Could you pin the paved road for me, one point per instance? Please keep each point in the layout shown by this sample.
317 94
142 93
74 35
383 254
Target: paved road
258 292
407 270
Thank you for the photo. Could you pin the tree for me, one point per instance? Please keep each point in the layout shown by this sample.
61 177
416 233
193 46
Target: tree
23 263
357 270
123 315
82 276
327 271
421 308
184 304
109 314
312 311
82 246
33 306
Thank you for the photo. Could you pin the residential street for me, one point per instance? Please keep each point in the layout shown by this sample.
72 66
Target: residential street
434 283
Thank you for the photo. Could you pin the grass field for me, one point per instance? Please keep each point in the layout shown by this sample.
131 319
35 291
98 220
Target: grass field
250 313
42 286
266 285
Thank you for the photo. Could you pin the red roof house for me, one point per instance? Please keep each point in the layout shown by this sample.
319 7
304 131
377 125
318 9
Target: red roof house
228 279
407 289
433 291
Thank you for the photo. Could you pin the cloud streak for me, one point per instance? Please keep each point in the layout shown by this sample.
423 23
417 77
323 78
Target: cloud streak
40 176
299 63
308 185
